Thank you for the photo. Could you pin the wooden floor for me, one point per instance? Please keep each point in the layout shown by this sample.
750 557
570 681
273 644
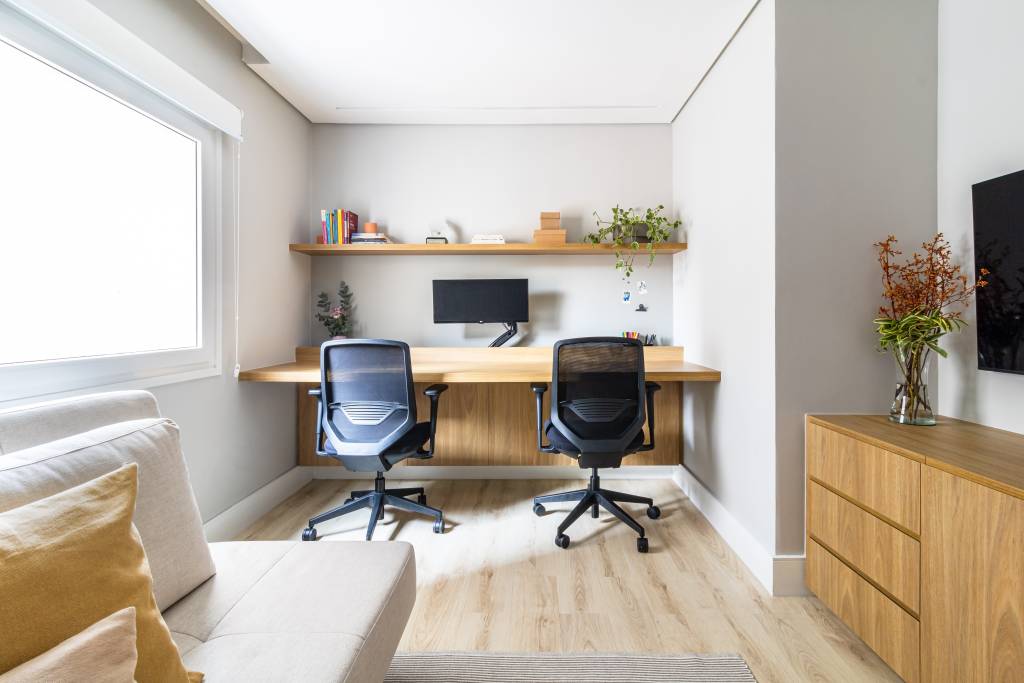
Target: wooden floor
496 581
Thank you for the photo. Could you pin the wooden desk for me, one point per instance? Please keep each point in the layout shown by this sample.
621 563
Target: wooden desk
487 415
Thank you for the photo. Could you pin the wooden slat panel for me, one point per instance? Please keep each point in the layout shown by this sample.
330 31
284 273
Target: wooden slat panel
495 424
972 615
887 629
879 551
884 482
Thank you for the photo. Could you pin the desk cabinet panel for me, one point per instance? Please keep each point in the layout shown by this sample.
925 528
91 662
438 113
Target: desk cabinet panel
972 614
886 483
494 423
881 623
880 552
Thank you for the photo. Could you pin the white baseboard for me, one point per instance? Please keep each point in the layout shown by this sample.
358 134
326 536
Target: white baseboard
431 472
237 518
780 575
788 576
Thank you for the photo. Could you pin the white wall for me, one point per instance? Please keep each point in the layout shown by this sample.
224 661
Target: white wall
238 437
855 160
724 190
491 179
981 98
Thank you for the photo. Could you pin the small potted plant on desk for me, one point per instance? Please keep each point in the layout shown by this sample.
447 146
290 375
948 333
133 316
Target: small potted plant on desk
337 319
924 295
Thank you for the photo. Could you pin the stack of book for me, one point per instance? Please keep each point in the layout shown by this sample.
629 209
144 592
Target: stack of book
550 232
369 238
337 226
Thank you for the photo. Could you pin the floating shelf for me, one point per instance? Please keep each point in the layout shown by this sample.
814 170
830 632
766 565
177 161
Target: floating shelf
521 249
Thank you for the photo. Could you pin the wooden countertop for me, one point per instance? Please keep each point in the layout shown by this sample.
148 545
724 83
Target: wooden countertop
988 456
475 364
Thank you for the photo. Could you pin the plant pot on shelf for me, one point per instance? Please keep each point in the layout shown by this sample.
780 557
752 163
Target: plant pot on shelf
639 234
911 404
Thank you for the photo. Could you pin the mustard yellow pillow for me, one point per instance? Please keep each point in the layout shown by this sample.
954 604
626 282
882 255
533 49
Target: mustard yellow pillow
103 653
72 559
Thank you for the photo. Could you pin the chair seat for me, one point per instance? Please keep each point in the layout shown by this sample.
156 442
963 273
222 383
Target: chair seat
400 450
559 441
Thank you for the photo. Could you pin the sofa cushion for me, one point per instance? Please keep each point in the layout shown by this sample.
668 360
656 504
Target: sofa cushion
344 605
27 426
166 514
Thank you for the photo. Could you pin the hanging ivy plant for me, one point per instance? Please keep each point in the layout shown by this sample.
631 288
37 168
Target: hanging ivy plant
628 229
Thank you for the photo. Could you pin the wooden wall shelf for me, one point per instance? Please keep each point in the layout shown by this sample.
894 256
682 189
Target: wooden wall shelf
522 249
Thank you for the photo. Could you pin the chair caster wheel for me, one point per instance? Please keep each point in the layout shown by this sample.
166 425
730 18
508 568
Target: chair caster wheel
439 526
641 545
562 541
538 509
421 499
309 534
654 512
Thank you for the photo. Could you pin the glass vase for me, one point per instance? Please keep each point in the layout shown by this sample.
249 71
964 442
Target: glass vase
911 404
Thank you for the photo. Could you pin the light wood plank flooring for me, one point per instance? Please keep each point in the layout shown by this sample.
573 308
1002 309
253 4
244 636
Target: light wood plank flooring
496 581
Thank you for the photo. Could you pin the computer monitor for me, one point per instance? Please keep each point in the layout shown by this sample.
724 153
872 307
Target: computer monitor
483 301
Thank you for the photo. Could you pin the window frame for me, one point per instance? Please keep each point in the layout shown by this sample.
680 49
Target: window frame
54 378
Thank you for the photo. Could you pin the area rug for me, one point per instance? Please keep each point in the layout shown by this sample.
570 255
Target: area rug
535 667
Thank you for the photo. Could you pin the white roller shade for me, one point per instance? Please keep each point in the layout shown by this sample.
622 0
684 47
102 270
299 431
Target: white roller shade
84 25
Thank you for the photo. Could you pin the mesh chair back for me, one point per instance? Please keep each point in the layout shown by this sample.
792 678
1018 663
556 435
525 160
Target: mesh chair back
597 400
367 394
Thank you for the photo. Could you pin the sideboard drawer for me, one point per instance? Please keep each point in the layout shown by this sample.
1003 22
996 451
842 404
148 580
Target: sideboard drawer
881 552
884 482
885 626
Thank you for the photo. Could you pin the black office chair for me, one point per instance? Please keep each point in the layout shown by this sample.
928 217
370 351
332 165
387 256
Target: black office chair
598 403
367 411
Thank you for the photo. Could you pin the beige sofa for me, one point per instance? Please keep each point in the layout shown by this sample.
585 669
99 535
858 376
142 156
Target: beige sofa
239 611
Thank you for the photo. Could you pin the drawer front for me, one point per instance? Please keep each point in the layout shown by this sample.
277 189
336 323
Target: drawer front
884 482
887 629
878 550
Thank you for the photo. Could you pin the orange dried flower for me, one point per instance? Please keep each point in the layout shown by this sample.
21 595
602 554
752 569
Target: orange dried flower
924 283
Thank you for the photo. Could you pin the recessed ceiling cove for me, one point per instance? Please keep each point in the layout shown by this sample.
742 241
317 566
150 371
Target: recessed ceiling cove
483 61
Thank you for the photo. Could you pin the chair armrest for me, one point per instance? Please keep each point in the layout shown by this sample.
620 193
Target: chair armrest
433 392
539 390
651 388
318 445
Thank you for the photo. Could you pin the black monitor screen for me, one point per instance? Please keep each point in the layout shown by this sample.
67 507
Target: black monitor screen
481 301
999 247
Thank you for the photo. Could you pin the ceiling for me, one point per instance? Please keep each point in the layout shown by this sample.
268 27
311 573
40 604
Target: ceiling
483 61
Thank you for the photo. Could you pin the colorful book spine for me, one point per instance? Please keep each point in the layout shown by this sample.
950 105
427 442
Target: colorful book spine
323 226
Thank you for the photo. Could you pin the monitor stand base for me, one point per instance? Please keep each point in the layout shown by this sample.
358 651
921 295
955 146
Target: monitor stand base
511 330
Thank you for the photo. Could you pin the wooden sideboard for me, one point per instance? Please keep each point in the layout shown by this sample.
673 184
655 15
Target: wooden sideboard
915 539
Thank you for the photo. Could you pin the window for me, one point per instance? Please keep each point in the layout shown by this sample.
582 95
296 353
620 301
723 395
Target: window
108 225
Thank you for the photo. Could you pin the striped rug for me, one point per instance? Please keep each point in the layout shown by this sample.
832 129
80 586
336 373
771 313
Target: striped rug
532 667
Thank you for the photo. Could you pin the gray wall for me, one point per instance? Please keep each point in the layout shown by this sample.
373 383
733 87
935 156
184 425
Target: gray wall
812 138
724 184
491 179
855 161
236 436
980 137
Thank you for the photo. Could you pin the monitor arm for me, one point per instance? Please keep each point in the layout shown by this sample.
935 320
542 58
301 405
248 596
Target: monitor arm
511 330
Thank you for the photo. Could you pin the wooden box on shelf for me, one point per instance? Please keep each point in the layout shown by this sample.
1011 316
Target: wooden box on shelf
549 237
